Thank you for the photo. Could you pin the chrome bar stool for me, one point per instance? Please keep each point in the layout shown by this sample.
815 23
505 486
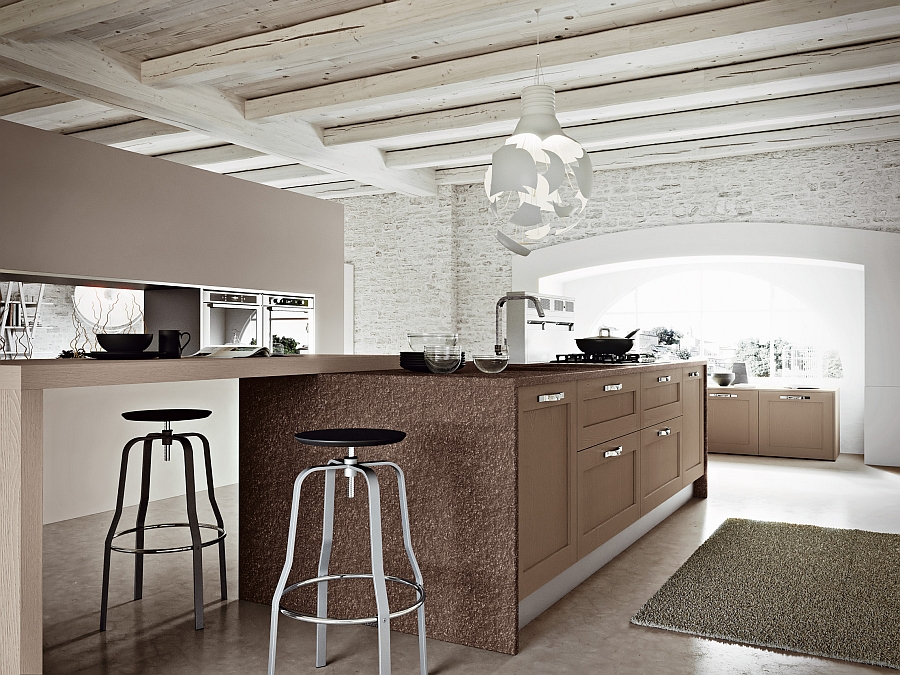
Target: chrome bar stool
350 466
166 416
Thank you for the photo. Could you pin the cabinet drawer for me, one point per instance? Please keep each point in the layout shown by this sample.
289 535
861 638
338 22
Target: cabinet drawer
608 490
797 423
660 463
608 408
661 396
732 418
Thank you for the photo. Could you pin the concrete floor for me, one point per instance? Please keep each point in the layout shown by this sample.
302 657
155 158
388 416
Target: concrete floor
587 632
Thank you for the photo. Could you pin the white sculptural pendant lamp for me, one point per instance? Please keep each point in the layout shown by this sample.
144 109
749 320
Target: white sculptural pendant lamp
539 172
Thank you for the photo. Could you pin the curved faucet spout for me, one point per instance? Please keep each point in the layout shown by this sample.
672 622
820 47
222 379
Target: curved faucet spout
534 300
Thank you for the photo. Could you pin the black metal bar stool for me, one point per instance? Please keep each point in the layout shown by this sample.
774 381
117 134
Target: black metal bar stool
166 416
350 466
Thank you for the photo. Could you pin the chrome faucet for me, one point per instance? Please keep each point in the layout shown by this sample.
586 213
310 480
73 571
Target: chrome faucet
534 300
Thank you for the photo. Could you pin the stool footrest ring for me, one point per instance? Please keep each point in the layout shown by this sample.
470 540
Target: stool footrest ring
174 549
300 616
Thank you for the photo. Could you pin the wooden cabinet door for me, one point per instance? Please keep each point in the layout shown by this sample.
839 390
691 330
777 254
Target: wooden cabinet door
798 423
661 396
547 459
693 421
608 408
608 490
660 463
732 418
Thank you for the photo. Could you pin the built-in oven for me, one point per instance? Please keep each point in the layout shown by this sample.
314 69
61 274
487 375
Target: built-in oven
289 320
231 318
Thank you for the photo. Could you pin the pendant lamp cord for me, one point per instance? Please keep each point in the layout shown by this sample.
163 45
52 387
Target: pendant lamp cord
538 71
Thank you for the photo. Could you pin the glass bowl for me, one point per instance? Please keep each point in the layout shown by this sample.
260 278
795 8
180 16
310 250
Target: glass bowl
442 360
418 341
491 363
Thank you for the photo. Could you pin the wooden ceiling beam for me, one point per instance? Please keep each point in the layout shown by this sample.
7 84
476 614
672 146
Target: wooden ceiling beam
765 79
123 134
225 159
337 190
865 131
726 35
83 70
31 99
788 113
294 175
64 15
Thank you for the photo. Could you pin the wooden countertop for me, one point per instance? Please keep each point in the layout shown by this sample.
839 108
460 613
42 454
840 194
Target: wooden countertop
63 373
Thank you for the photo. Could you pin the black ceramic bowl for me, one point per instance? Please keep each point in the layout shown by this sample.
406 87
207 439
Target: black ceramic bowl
125 342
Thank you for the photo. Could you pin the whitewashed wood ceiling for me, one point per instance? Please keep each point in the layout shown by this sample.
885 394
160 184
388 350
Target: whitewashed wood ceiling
350 97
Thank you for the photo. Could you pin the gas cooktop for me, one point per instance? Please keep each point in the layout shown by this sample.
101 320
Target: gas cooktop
603 359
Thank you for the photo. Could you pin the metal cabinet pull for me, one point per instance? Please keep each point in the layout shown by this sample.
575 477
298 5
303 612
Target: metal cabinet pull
794 398
667 378
612 387
614 453
695 373
546 398
664 432
723 395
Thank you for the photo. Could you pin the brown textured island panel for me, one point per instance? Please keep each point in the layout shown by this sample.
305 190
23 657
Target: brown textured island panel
460 463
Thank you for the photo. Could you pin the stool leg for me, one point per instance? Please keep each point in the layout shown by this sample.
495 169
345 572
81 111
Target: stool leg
381 599
107 550
223 580
288 561
324 559
417 573
141 520
196 541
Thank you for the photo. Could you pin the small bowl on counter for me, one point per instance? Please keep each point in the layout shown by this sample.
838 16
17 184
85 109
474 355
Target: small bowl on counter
443 360
722 379
491 363
419 341
130 343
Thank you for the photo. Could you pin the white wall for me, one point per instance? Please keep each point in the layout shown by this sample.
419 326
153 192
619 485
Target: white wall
84 434
877 252
834 291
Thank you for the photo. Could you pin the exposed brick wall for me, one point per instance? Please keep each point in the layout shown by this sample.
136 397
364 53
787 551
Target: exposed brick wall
842 186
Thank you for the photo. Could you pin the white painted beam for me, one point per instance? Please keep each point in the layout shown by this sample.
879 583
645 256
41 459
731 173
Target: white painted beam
148 137
294 175
81 69
866 131
31 99
765 79
226 159
787 113
768 27
337 190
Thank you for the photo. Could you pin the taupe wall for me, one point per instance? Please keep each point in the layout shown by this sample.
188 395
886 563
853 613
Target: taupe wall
73 209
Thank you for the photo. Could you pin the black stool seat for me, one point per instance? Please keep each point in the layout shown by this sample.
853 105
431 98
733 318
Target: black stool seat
166 415
350 438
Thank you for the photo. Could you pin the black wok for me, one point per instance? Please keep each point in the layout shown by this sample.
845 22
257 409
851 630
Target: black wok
606 344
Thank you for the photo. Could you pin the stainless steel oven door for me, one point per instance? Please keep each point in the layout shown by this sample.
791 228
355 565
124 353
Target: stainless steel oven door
293 328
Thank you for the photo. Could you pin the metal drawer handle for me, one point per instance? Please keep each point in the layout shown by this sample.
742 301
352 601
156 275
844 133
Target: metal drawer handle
664 432
695 373
612 387
546 398
794 398
723 395
614 453
667 378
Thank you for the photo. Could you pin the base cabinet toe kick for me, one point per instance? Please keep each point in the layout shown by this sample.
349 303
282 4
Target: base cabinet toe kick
598 459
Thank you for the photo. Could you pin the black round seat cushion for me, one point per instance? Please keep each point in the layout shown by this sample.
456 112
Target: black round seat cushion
350 438
166 415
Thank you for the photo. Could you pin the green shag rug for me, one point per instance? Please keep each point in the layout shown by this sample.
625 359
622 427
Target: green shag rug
800 588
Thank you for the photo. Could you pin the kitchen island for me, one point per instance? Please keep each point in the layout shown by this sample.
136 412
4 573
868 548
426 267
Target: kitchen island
497 475
514 481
